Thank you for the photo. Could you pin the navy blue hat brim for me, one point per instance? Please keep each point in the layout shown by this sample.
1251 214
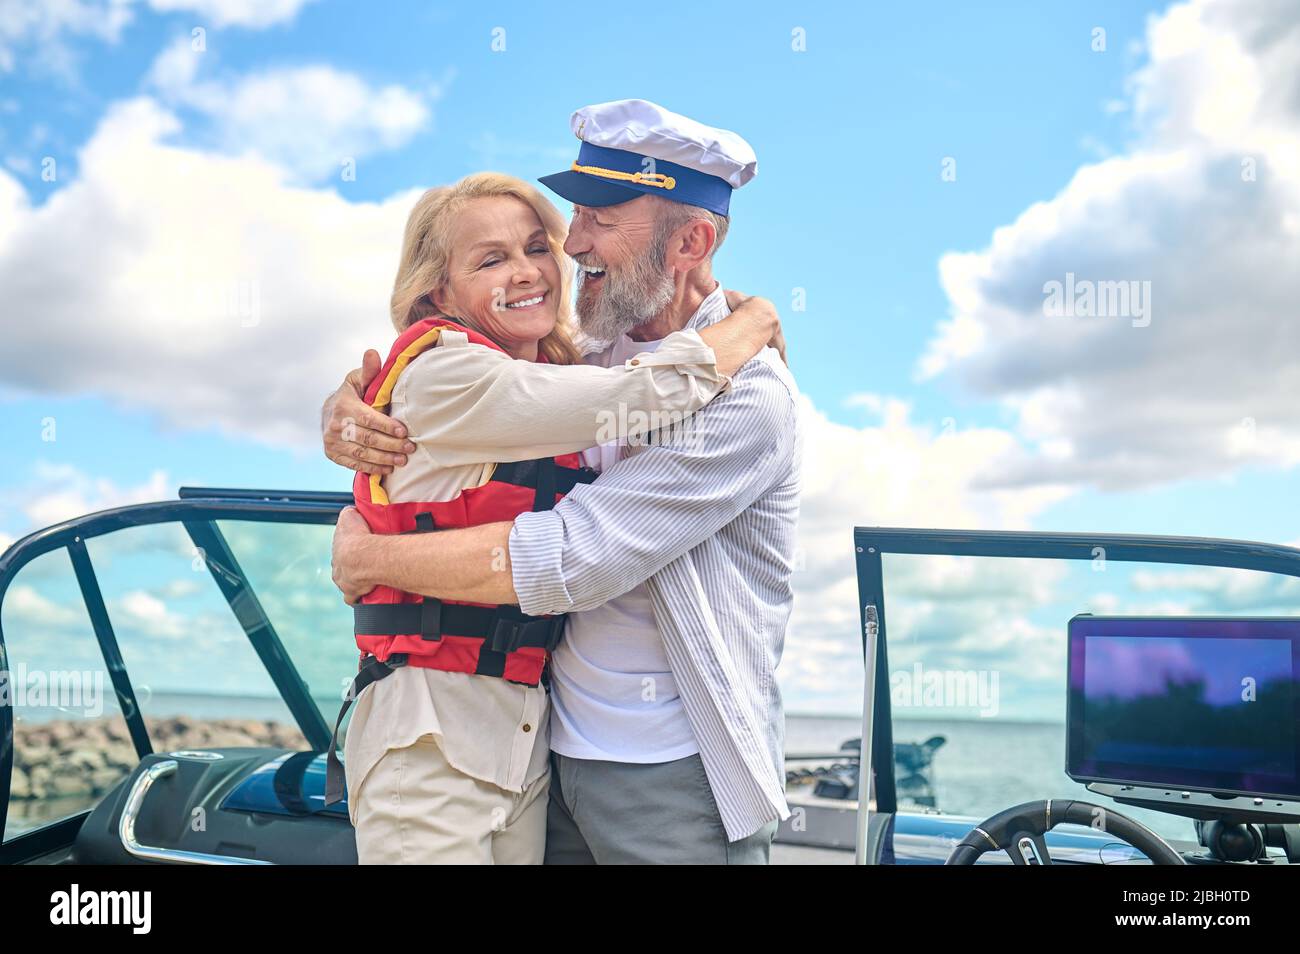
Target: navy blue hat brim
582 189
669 180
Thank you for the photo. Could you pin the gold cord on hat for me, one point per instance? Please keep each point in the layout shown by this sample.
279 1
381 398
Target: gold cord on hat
656 179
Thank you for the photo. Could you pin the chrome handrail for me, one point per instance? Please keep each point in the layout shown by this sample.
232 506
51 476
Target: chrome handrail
131 811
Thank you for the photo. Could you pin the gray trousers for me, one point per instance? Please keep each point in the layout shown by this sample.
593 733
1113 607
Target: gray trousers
628 813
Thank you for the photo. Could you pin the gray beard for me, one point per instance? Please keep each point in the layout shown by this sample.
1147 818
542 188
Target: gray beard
633 295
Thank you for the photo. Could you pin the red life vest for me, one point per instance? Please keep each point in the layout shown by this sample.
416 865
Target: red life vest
395 628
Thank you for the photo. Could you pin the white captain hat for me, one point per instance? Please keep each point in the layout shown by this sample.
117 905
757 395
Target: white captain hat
632 147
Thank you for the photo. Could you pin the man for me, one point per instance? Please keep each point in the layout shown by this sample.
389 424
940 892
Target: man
674 566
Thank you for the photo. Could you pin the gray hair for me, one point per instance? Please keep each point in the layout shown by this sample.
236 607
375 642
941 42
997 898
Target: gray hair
670 216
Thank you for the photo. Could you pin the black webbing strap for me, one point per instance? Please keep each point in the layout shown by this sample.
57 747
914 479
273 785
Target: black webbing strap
491 662
525 473
502 628
544 498
370 673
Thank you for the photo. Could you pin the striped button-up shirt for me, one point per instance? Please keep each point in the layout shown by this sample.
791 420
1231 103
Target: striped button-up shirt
707 518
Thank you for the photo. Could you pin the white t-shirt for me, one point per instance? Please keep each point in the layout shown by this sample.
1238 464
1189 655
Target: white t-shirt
613 695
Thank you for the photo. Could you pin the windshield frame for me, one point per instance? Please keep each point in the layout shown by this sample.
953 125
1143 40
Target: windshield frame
197 510
871 543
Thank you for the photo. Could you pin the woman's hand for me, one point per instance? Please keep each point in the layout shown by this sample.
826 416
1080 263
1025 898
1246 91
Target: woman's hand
761 310
356 435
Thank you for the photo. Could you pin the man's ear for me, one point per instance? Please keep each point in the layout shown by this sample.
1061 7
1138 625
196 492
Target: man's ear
692 244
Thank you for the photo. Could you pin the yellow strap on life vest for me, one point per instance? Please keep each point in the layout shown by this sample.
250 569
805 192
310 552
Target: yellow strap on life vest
384 396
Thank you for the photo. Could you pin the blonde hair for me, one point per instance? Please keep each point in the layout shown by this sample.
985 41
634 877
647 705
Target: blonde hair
426 255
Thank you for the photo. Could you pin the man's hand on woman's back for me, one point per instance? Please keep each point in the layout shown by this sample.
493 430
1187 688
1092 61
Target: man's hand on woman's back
356 435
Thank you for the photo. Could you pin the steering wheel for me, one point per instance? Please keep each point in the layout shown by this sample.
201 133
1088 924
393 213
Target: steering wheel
1019 832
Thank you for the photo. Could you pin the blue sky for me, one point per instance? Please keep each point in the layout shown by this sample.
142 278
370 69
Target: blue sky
1089 428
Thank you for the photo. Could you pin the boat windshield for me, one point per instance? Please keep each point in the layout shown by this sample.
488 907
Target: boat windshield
975 647
159 636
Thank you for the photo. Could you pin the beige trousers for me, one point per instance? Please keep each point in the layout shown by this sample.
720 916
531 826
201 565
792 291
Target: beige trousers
414 808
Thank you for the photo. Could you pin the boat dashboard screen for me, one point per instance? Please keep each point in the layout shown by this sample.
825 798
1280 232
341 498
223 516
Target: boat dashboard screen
1205 704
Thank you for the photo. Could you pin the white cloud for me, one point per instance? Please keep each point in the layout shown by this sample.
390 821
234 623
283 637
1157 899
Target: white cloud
145 614
901 473
25 605
307 119
41 30
59 492
177 589
1209 385
171 279
244 13
1222 590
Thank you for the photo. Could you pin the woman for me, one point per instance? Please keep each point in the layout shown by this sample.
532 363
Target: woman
452 766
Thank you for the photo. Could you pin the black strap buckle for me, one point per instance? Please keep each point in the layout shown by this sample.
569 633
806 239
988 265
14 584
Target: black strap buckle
512 629
554 632
506 633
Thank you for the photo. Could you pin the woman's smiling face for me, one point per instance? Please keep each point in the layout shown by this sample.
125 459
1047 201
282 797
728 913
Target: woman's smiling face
502 277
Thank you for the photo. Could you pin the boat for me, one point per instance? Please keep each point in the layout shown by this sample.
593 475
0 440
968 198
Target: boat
225 595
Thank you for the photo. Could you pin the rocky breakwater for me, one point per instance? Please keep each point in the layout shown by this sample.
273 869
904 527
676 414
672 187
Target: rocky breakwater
87 757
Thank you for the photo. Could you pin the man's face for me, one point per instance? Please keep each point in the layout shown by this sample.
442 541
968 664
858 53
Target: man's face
623 279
